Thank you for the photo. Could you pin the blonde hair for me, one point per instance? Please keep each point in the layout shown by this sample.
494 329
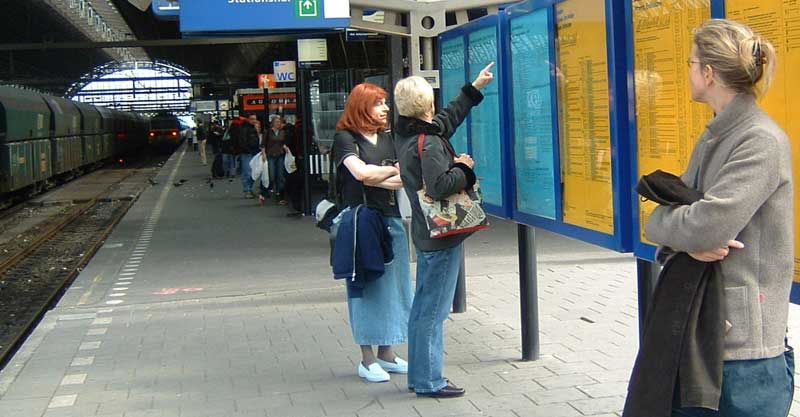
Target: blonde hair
413 97
742 59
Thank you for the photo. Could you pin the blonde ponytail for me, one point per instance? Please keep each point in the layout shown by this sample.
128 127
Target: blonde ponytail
742 60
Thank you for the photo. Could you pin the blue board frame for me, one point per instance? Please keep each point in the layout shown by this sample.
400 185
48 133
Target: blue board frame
619 117
491 21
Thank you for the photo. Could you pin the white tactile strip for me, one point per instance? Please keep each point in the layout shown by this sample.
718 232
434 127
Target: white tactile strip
127 274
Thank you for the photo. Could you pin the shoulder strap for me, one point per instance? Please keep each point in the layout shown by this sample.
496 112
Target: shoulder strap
420 145
363 187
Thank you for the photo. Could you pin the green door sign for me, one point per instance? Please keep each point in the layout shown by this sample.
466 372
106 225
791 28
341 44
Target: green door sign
306 8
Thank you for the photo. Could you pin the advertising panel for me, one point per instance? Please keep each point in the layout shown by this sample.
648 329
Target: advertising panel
453 74
534 150
668 122
484 121
779 22
585 124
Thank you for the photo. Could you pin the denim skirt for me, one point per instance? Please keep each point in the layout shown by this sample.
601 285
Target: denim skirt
380 316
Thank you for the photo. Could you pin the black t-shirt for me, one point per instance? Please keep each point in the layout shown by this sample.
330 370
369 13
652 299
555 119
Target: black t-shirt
380 199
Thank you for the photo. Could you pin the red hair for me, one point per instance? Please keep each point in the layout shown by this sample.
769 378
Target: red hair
356 116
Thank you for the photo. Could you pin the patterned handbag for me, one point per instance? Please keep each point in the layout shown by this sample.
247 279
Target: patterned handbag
458 213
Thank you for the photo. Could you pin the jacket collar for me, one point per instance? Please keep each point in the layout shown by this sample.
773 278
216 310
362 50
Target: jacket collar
410 126
737 112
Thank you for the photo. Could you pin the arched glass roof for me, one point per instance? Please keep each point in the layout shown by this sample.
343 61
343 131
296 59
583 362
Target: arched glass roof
141 86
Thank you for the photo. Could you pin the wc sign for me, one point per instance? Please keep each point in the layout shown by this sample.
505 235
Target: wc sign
285 71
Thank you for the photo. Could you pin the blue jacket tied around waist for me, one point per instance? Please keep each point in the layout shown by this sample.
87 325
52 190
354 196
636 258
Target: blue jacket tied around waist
363 245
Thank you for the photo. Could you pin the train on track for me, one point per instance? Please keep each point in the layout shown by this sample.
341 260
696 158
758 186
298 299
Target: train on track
45 139
165 132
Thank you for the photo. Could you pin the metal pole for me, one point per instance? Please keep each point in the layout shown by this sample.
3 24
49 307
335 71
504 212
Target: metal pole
460 298
647 276
529 298
306 118
426 44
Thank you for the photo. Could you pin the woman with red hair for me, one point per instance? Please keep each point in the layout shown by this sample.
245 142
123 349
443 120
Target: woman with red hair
367 173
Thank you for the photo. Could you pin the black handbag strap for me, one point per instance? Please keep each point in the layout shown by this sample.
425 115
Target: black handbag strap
363 187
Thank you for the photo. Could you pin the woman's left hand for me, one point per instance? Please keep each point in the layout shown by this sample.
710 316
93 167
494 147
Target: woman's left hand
716 254
484 77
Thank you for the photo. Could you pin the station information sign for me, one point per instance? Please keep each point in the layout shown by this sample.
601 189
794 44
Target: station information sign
484 121
533 124
259 15
779 21
453 76
585 125
668 122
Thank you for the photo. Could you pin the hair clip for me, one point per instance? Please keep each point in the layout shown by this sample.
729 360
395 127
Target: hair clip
758 55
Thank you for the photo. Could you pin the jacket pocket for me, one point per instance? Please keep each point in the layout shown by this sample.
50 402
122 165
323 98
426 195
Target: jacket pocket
737 307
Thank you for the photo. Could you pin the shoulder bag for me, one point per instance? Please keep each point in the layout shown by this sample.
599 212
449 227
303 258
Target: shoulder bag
459 213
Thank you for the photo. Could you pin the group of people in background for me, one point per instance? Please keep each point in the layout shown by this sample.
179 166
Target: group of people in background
235 145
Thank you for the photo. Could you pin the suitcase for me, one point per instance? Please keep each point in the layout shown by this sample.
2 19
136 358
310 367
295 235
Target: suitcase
217 170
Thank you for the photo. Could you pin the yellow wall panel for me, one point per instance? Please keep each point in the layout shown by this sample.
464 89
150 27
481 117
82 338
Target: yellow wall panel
584 115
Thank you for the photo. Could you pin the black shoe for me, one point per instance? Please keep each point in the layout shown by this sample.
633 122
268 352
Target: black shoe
449 391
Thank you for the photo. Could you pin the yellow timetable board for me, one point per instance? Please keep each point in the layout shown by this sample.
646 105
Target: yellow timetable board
585 123
779 22
668 122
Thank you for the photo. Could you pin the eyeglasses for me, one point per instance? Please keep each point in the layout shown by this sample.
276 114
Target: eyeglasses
691 61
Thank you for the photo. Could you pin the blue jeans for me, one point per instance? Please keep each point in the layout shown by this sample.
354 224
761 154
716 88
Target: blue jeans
229 164
754 388
276 174
247 180
437 274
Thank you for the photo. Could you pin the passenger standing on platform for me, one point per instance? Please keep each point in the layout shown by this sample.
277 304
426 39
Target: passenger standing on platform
202 137
215 137
743 166
438 260
249 148
230 147
272 147
366 167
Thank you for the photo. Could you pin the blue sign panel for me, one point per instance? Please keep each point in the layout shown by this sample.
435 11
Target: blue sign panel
453 74
533 124
485 127
259 15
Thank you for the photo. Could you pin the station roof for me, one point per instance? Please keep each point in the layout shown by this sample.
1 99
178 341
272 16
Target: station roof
34 24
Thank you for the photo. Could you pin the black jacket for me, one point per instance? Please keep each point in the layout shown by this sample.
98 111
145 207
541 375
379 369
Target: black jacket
683 344
250 140
441 175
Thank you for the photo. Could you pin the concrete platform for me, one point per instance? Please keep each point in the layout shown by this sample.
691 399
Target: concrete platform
203 303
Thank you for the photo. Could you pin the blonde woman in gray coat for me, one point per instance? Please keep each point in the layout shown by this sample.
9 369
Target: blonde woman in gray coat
742 164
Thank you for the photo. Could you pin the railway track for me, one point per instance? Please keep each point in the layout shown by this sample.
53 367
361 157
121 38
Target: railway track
33 282
38 266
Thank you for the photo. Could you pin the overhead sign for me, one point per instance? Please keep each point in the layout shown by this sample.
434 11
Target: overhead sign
259 15
285 71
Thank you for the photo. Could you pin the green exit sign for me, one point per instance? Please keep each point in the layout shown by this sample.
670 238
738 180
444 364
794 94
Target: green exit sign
306 8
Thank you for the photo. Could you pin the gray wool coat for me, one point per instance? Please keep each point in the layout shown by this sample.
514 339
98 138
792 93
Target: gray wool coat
743 166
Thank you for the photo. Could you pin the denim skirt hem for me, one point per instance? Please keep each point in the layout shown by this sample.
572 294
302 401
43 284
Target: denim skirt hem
380 316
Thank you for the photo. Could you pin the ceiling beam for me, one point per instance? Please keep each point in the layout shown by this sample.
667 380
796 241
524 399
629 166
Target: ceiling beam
42 46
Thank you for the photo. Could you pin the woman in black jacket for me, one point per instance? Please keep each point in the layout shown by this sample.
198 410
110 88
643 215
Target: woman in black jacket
438 260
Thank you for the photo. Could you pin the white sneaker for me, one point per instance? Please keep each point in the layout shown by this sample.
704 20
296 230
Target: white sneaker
372 374
399 366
